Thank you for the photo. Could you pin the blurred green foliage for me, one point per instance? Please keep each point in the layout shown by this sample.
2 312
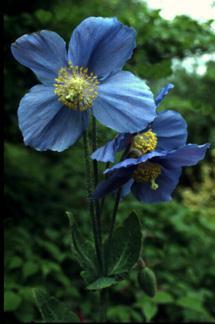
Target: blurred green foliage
39 187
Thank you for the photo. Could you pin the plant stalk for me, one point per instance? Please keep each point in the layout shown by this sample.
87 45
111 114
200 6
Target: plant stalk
90 200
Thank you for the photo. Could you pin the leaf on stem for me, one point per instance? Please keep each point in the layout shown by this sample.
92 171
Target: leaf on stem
52 310
125 246
102 283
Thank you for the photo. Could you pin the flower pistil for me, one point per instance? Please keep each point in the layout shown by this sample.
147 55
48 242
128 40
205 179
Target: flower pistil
147 172
143 143
75 87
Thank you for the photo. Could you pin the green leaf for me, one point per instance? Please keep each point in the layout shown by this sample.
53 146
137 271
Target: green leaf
15 262
84 252
102 283
192 303
163 297
11 301
149 310
30 268
157 70
147 281
126 245
52 310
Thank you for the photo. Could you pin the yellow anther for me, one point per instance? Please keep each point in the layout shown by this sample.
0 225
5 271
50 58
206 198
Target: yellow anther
144 142
75 87
147 172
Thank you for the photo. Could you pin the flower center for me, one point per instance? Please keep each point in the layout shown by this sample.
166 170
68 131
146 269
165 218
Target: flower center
75 87
147 172
143 143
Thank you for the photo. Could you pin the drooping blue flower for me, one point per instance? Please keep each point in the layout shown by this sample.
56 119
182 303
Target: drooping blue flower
88 77
168 131
151 177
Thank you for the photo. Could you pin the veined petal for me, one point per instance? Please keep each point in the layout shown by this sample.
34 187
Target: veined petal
124 103
107 152
126 188
43 52
133 162
101 44
188 155
46 124
170 129
167 182
163 93
113 182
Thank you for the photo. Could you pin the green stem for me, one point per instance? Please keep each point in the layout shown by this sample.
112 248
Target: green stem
90 201
103 199
95 169
113 220
103 305
103 293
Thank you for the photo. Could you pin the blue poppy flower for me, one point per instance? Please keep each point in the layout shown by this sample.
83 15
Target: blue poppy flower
151 177
168 131
88 77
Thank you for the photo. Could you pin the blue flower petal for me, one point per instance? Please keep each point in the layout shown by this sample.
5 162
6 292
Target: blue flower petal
126 188
171 130
167 182
163 93
127 163
43 52
124 103
46 124
107 152
115 181
188 155
102 44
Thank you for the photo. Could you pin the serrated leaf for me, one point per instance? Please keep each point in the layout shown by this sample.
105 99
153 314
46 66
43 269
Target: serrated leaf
102 283
11 301
52 310
84 253
126 245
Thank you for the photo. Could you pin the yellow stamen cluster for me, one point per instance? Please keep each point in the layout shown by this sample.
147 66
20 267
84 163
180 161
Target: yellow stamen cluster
147 172
143 143
75 87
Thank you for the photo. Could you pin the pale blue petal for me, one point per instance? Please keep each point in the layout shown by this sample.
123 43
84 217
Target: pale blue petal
107 152
127 163
46 124
43 52
102 44
124 103
171 130
126 188
163 93
188 155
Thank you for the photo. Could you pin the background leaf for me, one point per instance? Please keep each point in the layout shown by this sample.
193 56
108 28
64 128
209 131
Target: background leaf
53 310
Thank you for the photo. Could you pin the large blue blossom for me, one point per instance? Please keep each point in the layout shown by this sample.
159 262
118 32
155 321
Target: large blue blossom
168 131
88 77
151 177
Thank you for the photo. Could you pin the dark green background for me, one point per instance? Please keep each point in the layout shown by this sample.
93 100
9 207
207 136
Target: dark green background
178 236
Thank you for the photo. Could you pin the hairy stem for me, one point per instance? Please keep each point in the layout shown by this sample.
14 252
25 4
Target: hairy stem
90 201
95 169
113 220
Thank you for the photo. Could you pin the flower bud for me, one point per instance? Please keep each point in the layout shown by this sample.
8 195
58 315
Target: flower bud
147 281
